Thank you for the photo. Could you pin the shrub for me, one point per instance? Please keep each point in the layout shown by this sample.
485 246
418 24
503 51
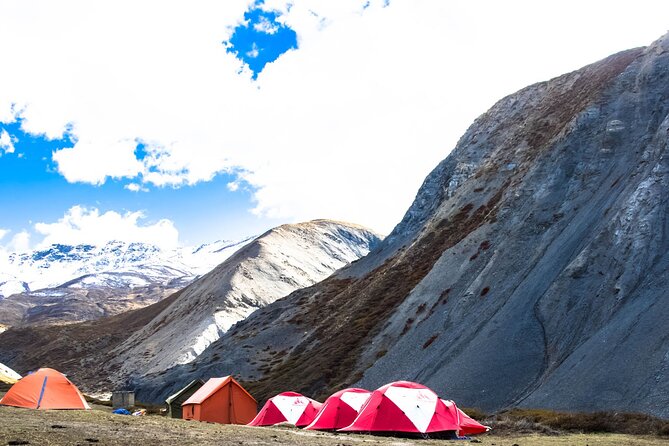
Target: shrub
475 413
430 341
407 326
595 422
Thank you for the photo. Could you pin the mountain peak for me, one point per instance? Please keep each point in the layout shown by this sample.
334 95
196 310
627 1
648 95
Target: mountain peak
286 258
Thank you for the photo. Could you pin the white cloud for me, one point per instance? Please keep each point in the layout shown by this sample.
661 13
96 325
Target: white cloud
134 187
347 126
20 242
82 225
92 161
254 52
3 233
7 142
265 26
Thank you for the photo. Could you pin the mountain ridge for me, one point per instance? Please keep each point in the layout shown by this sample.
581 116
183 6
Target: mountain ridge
72 283
45 267
281 260
503 284
178 328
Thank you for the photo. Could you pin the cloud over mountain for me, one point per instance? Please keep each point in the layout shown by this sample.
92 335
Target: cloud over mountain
357 114
82 225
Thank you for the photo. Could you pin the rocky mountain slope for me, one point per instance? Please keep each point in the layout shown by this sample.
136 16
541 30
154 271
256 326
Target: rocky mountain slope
81 349
176 330
531 270
65 283
277 263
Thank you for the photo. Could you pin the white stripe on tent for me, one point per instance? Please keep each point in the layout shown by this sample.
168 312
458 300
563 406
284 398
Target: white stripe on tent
355 399
417 404
292 407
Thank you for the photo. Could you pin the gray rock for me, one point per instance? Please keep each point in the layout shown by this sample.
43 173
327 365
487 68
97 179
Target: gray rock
541 285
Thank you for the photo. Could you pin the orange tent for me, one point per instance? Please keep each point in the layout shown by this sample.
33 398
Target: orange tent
45 389
221 400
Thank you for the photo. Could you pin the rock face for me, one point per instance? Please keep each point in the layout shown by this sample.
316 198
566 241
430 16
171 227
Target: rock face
77 301
531 270
175 330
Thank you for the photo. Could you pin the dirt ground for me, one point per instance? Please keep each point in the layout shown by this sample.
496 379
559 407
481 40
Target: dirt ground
99 426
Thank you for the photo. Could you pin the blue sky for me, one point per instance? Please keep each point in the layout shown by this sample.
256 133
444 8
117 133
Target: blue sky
32 190
261 39
252 114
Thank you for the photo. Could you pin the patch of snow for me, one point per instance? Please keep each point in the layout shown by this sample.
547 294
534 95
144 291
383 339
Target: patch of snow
12 286
117 263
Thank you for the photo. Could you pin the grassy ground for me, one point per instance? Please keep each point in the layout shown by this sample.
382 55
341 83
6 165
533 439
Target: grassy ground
99 426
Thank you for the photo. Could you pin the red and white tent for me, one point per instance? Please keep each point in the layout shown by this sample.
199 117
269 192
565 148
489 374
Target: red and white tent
405 406
340 409
468 425
287 407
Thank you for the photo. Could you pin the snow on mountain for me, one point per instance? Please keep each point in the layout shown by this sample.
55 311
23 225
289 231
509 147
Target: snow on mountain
64 283
10 285
59 264
272 266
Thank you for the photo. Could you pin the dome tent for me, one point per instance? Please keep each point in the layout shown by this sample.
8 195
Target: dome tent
340 409
45 389
287 407
405 406
468 425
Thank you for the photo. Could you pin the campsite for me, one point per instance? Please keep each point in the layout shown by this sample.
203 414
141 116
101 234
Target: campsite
99 426
334 223
396 411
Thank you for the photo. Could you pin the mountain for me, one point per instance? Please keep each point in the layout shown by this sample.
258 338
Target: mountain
531 269
178 328
275 264
57 264
65 283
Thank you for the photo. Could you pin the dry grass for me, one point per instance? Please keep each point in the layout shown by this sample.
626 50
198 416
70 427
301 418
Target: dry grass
99 426
575 440
553 423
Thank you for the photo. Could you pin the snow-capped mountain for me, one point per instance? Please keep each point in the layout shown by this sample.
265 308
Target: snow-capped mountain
176 330
65 283
275 264
58 264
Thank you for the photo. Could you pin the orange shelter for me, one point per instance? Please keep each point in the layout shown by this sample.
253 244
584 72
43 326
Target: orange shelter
45 389
221 400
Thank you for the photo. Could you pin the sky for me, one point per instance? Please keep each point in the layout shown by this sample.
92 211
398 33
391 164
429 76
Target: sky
181 123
